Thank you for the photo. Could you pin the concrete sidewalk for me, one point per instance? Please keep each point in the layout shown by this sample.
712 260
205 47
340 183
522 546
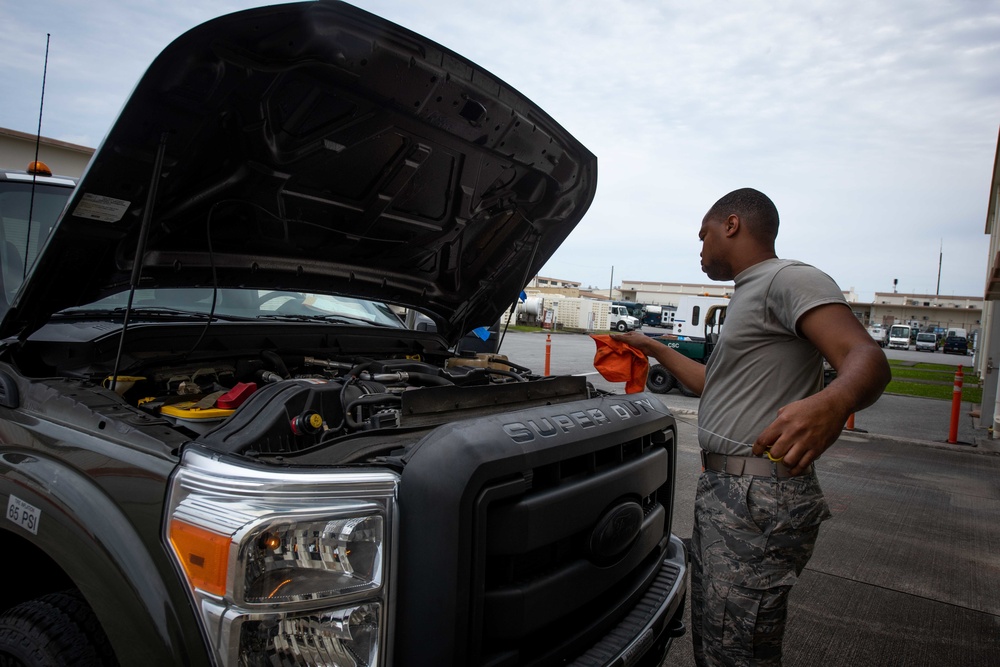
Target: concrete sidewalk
924 420
908 570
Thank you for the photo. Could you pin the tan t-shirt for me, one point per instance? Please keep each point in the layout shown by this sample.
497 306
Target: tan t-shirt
761 363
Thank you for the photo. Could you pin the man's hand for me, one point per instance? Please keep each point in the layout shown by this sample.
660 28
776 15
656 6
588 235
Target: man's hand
639 341
801 432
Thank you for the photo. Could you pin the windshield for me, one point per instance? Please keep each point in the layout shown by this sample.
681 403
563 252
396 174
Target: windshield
248 304
18 246
926 337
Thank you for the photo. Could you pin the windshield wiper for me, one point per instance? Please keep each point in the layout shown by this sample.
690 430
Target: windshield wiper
326 319
146 311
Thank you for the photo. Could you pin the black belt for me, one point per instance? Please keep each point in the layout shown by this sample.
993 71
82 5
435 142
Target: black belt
747 465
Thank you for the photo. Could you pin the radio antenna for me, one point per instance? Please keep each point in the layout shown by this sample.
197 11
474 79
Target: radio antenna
41 105
34 166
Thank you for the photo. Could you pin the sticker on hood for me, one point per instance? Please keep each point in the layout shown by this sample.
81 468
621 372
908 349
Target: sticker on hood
105 209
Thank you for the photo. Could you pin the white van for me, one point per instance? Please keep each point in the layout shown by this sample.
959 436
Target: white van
878 334
926 342
899 336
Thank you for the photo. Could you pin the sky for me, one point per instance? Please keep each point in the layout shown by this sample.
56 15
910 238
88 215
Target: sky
872 125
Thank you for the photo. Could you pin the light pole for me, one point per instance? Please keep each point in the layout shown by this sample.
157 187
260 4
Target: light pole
940 257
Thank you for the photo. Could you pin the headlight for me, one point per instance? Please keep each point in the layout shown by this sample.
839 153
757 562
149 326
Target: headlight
288 567
287 561
343 637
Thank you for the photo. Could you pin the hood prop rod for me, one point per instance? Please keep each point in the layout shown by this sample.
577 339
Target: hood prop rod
140 250
524 282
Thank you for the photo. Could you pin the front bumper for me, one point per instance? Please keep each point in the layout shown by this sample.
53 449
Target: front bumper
643 637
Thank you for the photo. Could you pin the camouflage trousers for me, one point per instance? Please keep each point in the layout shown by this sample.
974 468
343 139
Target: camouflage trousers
752 537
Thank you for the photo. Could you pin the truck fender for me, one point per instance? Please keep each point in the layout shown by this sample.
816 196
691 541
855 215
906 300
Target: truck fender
146 617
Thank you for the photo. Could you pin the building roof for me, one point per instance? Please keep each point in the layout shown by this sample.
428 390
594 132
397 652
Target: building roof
47 141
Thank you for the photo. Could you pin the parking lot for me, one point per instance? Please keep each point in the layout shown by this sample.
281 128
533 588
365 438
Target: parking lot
908 570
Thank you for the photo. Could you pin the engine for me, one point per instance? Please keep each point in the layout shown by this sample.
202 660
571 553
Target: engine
279 403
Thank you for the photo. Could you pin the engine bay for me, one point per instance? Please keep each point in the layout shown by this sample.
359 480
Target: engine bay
278 390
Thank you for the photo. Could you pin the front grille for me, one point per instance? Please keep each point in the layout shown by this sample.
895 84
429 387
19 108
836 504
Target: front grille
541 595
520 550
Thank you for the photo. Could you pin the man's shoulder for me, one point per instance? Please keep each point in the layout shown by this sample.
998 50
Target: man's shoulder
798 287
793 265
764 275
792 270
770 267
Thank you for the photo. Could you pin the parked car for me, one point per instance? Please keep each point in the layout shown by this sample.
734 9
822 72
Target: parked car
956 345
926 342
878 334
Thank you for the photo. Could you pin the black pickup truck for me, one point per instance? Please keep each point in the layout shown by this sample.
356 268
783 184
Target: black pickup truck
242 418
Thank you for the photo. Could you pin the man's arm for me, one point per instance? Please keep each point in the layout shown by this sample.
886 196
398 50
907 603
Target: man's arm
689 372
804 429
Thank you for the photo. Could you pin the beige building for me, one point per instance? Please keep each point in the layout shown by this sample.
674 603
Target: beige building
667 294
988 352
546 285
17 151
927 311
569 288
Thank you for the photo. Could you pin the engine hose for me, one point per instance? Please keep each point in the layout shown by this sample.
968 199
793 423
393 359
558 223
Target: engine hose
352 379
267 377
505 362
406 366
417 378
478 372
500 371
359 368
277 362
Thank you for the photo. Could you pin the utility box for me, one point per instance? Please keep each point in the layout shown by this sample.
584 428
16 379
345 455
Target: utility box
581 314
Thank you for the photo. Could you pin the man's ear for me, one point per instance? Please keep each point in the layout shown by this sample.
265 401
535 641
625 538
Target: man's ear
732 225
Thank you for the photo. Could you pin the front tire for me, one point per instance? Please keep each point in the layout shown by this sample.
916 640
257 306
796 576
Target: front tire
55 629
660 380
622 327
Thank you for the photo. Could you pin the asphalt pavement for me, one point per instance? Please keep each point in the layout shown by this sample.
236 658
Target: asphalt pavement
907 572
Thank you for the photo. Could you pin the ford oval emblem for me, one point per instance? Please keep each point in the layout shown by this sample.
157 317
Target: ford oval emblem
615 531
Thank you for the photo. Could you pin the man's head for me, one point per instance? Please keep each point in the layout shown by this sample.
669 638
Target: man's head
738 232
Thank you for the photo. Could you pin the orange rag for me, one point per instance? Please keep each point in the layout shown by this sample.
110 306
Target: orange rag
620 362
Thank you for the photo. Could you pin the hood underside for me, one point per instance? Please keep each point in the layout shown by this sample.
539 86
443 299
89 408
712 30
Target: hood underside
317 147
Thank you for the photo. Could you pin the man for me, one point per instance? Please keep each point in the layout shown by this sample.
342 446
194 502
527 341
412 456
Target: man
757 517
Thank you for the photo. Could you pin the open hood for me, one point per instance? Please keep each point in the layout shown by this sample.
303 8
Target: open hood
317 147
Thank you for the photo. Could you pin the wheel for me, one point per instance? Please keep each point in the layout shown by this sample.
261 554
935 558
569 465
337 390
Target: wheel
622 326
685 391
659 380
55 629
